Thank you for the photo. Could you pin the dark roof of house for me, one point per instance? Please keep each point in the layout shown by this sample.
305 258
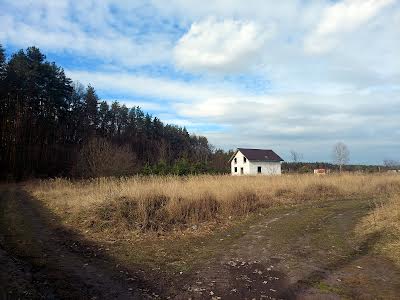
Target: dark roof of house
259 154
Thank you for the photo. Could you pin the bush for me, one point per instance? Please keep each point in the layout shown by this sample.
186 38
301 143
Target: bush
100 158
152 212
117 214
198 210
161 168
148 213
181 167
244 202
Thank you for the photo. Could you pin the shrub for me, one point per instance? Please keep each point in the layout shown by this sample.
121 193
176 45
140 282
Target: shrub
204 208
243 203
181 167
100 158
321 191
152 212
124 213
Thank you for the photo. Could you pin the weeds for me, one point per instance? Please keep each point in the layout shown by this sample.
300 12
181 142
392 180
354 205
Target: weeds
162 203
385 220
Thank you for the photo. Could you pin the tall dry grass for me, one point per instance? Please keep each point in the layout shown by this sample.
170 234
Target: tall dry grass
155 203
384 221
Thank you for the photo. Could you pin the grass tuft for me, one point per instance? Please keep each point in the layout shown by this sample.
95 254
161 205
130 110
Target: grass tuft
388 187
322 190
243 203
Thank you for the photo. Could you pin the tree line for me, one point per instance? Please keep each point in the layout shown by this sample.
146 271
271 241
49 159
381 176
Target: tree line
52 126
309 167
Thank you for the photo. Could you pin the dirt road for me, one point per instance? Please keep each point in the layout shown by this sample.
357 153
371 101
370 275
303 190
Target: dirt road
305 252
42 261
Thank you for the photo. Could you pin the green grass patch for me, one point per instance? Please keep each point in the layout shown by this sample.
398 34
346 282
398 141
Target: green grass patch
326 288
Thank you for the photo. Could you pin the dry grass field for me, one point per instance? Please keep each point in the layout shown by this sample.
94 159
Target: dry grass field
164 203
334 236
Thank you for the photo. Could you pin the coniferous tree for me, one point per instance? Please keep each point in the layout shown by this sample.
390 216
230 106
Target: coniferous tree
90 111
103 118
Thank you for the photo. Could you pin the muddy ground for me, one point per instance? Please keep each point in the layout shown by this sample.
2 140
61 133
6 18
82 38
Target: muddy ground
308 251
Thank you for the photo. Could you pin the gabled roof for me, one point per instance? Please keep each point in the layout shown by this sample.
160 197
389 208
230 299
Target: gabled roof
258 155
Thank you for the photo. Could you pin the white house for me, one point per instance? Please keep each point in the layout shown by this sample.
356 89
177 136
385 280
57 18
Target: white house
255 162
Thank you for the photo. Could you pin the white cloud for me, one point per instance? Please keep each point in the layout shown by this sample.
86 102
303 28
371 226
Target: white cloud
340 18
85 28
157 87
227 45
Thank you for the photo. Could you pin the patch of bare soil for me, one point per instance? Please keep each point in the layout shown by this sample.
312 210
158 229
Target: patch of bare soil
15 278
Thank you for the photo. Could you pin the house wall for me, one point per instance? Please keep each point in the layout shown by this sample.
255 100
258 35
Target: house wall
250 168
267 168
240 164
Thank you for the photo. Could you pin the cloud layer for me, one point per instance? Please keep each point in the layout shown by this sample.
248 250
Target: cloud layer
285 75
222 46
342 18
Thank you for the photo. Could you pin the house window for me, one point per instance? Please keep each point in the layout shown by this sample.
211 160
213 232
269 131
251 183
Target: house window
241 171
244 159
235 169
235 160
259 170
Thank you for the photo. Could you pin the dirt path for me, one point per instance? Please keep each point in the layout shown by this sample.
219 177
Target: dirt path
39 262
303 252
300 253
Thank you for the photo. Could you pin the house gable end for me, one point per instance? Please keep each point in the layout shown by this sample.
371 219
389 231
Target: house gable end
235 154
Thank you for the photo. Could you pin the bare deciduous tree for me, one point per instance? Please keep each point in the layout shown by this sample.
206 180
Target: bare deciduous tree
391 163
99 157
296 156
341 154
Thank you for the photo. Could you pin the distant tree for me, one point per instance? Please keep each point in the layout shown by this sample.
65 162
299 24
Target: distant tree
103 118
341 154
219 161
4 111
305 168
147 170
296 156
161 168
123 120
75 115
91 101
181 167
391 163
3 63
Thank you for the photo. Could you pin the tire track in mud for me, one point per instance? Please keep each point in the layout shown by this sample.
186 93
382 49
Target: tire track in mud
239 274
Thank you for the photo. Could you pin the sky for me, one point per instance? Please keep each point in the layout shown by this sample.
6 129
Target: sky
284 75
